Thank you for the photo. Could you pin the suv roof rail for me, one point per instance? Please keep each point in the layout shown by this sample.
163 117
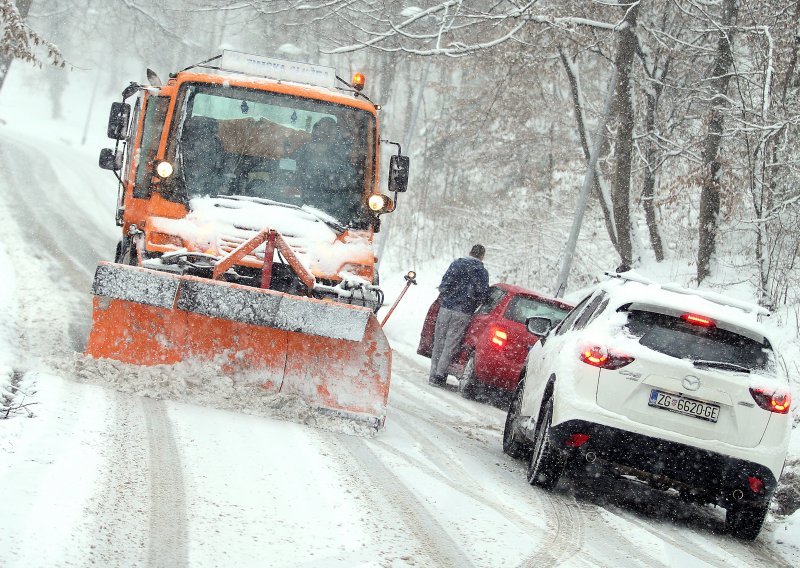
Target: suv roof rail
714 297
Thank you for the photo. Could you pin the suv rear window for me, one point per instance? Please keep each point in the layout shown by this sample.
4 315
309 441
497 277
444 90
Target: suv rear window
520 308
674 337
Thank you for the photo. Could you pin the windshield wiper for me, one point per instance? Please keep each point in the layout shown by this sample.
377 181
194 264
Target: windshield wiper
339 228
720 365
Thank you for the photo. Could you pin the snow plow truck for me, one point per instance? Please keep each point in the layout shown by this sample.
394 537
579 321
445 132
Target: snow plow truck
249 200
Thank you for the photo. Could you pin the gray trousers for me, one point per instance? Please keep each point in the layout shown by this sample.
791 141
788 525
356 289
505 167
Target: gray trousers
450 329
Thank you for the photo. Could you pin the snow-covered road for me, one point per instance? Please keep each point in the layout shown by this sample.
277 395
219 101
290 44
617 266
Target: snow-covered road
113 479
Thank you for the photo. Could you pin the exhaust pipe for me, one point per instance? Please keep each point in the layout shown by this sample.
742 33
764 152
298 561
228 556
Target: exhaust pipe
591 457
738 494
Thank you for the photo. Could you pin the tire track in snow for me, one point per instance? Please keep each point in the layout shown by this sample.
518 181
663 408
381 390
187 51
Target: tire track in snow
118 507
50 239
565 510
437 544
567 534
168 534
569 521
456 476
55 259
566 518
70 230
749 554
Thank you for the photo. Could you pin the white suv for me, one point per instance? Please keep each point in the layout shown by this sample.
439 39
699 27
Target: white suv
676 387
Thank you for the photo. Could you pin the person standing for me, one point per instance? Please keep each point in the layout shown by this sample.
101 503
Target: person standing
464 287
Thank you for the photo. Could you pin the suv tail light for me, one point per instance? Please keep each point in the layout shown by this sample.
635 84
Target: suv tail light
498 337
756 484
603 358
775 401
576 440
695 319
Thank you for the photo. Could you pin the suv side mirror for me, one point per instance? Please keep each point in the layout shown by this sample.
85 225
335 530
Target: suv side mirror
398 173
539 326
110 160
118 120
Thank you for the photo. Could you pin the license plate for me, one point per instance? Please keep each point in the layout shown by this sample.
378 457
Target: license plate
683 405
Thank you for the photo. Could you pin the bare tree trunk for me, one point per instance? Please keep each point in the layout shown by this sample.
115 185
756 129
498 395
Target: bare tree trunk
709 194
621 190
23 7
648 189
789 79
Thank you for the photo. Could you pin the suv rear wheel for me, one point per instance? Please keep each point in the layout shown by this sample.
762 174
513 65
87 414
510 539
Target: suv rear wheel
468 385
547 463
512 444
745 521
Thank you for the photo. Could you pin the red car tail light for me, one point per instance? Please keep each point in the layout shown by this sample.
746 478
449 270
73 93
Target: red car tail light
498 337
775 401
603 358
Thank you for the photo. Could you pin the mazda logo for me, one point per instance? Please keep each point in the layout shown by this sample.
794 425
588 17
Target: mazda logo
690 382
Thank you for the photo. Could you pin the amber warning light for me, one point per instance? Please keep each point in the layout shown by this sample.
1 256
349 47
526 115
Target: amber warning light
358 81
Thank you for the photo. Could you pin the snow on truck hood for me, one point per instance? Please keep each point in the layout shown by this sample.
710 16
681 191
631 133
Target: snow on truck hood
214 222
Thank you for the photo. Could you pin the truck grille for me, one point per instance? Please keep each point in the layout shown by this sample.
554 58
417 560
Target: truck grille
227 243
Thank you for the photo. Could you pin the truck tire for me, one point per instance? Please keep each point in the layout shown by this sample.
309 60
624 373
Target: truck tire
126 253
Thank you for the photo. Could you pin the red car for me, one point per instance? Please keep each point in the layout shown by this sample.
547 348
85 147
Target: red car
497 339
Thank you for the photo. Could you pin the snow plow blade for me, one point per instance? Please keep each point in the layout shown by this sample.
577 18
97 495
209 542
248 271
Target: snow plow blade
333 355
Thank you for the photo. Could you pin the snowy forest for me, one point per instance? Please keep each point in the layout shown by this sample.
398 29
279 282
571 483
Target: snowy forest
661 135
691 105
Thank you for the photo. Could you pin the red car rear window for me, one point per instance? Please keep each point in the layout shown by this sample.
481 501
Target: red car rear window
520 308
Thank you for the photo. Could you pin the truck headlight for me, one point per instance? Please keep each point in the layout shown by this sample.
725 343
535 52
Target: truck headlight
164 169
378 203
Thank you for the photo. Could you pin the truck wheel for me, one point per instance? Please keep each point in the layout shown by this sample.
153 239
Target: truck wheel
513 444
547 463
468 385
745 521
126 253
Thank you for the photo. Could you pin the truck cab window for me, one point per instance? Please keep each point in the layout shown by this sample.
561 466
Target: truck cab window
154 114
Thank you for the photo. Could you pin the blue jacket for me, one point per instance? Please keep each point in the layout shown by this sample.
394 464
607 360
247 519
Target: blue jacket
464 286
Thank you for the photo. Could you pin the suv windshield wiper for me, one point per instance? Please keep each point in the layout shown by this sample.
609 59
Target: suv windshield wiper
339 228
720 365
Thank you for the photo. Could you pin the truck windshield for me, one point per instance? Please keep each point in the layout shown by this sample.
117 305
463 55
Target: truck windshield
245 142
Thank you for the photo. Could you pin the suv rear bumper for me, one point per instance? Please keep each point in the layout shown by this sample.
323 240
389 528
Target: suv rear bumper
716 475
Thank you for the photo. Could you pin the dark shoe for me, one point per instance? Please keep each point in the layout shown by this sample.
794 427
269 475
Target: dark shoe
437 380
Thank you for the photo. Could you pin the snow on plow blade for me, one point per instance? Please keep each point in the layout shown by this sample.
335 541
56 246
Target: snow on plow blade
334 356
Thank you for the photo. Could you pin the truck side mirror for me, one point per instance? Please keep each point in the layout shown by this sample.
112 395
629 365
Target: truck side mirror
539 326
398 173
110 160
118 120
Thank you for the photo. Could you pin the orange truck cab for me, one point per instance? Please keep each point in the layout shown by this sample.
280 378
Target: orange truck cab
243 143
